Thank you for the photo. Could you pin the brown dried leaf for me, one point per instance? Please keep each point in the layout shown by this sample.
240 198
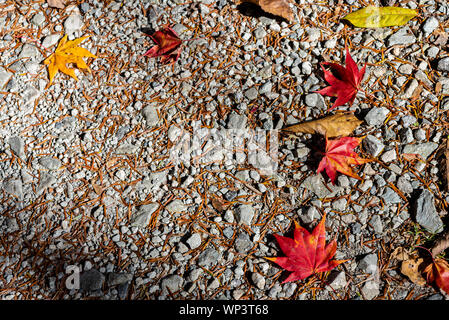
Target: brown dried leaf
416 93
410 268
220 204
400 254
97 188
441 245
277 7
341 124
60 4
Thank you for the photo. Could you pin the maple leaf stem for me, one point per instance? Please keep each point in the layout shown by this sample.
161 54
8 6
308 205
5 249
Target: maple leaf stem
430 253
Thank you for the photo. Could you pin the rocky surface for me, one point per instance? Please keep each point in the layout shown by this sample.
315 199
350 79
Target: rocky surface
90 180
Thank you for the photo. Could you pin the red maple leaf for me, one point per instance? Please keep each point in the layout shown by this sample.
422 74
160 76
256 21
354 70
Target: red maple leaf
339 156
168 46
438 272
344 81
307 253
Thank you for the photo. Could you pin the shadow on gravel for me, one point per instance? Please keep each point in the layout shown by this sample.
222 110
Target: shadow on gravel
317 145
147 30
254 11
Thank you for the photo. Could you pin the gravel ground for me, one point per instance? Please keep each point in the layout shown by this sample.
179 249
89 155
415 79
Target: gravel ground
90 188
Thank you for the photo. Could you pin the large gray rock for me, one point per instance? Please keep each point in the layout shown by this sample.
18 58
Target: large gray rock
390 196
443 64
115 279
372 145
150 115
236 121
17 146
401 37
244 214
430 25
376 116
368 264
73 23
316 185
423 149
143 215
258 280
46 180
337 280
243 243
51 40
50 163
30 51
172 283
370 289
251 93
14 187
176 206
194 241
208 257
91 280
426 213
4 77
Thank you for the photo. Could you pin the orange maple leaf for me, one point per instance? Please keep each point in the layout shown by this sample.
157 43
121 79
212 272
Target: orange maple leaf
68 52
344 81
168 46
339 156
438 272
307 253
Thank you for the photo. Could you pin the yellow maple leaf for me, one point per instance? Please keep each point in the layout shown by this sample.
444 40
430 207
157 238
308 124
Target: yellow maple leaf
68 52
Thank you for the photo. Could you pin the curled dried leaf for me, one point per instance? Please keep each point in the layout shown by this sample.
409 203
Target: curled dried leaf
411 269
220 204
279 8
341 124
400 254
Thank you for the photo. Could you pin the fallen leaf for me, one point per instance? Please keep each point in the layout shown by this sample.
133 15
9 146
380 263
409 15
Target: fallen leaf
279 8
307 253
97 188
410 268
379 17
339 156
399 254
220 204
60 4
344 81
68 52
441 244
416 93
340 124
438 272
168 46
